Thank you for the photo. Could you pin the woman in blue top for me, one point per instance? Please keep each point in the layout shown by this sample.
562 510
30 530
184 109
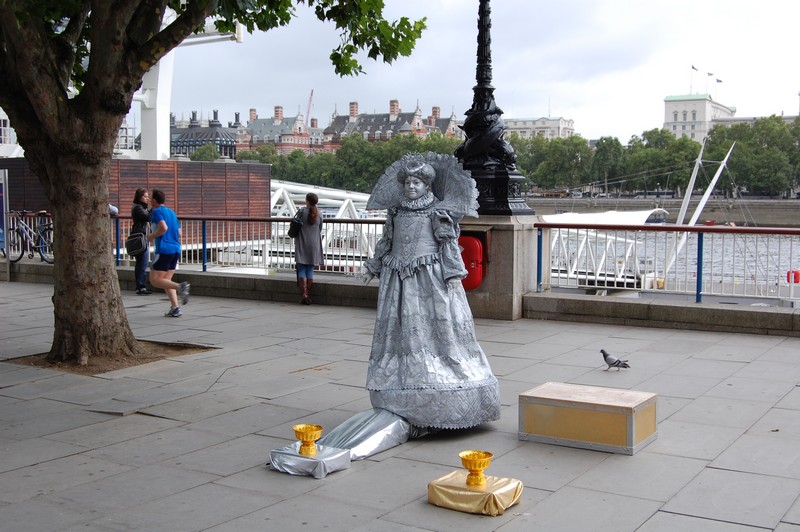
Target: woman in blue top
166 234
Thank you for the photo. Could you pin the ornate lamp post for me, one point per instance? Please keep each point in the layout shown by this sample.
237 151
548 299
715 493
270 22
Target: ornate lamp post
485 153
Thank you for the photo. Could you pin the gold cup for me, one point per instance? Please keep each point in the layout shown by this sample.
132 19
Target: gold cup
307 434
476 462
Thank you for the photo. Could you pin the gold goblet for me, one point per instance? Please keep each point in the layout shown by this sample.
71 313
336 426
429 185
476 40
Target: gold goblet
307 434
476 462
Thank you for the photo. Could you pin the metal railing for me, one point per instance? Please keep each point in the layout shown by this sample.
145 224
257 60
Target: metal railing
739 262
261 244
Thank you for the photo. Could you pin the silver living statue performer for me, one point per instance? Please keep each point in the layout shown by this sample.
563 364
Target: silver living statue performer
426 364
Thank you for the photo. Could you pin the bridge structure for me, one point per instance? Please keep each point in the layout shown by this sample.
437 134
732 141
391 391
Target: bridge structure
286 197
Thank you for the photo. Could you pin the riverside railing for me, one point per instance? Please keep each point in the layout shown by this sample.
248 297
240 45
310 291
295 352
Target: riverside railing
730 262
698 261
261 244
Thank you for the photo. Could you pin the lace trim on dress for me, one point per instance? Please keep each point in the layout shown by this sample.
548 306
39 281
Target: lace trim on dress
443 409
419 203
406 270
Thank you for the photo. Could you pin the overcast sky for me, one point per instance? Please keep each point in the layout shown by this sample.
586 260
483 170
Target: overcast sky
606 64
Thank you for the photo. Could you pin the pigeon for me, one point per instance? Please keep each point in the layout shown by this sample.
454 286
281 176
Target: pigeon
613 362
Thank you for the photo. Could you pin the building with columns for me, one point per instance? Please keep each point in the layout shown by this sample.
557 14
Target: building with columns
547 127
692 115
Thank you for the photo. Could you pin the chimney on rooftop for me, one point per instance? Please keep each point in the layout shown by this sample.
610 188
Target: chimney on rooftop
394 107
314 123
253 114
353 109
278 116
215 121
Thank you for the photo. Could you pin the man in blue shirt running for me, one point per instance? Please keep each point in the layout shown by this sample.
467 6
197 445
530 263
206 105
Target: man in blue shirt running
166 234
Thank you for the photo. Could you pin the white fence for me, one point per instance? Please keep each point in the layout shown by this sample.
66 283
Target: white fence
261 244
699 260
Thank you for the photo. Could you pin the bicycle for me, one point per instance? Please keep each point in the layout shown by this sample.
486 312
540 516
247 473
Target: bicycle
24 238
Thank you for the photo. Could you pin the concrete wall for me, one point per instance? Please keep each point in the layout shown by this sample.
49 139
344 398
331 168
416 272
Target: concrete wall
662 314
327 289
345 291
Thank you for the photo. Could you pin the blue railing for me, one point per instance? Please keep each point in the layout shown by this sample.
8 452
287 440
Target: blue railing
692 260
259 244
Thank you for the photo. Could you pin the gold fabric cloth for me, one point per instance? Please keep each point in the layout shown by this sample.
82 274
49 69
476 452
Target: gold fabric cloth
451 491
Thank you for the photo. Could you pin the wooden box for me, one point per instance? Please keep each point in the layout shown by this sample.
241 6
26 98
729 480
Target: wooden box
588 417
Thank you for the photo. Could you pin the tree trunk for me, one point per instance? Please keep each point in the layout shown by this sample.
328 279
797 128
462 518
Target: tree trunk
90 319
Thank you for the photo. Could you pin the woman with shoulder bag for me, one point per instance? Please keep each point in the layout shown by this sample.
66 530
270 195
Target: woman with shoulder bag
308 246
141 221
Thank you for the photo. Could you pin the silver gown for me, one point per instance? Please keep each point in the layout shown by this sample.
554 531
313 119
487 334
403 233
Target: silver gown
426 364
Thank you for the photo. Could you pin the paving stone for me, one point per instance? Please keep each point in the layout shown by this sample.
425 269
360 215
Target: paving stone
33 451
768 390
667 522
722 412
54 475
43 513
773 454
643 475
194 509
693 440
540 466
579 509
157 447
249 420
733 496
114 430
201 406
52 423
296 514
226 458
132 488
22 375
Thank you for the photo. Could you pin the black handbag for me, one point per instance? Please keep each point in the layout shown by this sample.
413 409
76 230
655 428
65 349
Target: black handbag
135 244
295 225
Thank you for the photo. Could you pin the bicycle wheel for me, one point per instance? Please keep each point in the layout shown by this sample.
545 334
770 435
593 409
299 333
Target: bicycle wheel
45 244
16 245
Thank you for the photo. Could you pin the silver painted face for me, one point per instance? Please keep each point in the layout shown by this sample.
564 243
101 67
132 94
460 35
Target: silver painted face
414 188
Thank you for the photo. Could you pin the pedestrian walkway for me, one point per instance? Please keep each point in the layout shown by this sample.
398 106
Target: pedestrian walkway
182 444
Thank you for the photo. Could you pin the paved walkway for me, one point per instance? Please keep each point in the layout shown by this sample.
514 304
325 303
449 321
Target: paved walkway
182 444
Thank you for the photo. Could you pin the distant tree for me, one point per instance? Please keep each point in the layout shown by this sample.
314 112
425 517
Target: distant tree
567 163
321 169
358 163
357 167
794 154
68 73
438 143
764 158
526 158
679 158
206 152
608 160
265 153
646 160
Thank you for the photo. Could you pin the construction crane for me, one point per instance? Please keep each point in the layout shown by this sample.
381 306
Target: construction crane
308 109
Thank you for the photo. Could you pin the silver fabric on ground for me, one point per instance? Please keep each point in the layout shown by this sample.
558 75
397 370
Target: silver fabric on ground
327 460
370 432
